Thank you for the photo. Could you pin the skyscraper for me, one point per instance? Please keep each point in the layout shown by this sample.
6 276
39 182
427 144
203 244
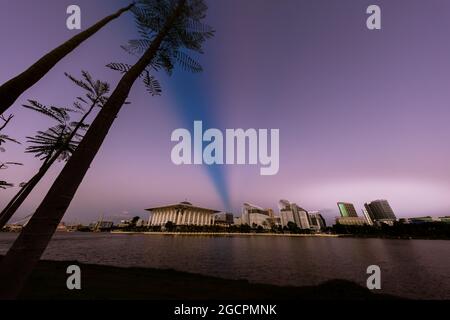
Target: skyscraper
317 221
255 216
367 216
291 212
380 211
347 209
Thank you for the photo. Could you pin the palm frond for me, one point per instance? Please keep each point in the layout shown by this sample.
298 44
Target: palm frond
52 112
6 165
78 107
88 78
135 47
80 83
187 63
14 163
5 138
187 33
5 120
96 89
121 67
152 84
5 185
56 139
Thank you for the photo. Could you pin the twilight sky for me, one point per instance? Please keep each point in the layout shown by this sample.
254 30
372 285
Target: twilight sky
362 114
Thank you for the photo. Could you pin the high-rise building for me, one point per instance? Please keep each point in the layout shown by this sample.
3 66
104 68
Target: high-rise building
380 211
291 212
367 216
347 209
255 216
286 213
317 221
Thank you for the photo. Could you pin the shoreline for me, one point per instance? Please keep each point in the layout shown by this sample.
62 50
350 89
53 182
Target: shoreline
230 234
237 234
48 281
227 234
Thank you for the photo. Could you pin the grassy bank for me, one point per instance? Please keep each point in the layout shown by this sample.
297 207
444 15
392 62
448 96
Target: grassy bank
104 282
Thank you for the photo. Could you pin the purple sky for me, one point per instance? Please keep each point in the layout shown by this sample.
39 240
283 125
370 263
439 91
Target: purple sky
362 114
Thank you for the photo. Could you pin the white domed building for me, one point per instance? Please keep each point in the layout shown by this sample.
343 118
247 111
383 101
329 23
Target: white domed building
181 214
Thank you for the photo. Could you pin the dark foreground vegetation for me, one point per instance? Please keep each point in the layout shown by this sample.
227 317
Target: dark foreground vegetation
430 230
48 281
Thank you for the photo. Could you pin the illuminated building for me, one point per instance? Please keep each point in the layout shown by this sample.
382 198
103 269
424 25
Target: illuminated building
255 216
347 209
180 214
291 212
380 212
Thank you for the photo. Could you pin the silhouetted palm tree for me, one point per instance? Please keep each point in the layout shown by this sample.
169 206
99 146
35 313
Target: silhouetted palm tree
60 141
168 28
11 90
46 144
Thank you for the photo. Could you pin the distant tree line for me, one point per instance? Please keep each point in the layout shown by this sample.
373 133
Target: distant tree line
432 230
428 230
243 228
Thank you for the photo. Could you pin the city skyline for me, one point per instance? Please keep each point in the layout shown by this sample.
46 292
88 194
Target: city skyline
362 116
365 214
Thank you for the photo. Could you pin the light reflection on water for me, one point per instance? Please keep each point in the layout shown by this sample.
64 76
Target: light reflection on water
410 268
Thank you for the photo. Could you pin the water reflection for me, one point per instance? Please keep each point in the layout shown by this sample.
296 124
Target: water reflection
410 268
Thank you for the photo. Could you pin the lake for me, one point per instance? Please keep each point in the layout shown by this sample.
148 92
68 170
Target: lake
409 268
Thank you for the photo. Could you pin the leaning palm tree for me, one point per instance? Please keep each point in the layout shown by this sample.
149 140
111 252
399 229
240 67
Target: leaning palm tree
12 89
169 28
61 140
45 144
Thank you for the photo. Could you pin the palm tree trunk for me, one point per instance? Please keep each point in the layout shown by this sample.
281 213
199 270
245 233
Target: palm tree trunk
11 90
25 191
26 251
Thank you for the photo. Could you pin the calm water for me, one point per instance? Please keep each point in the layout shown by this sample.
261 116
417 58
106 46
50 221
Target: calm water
410 268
